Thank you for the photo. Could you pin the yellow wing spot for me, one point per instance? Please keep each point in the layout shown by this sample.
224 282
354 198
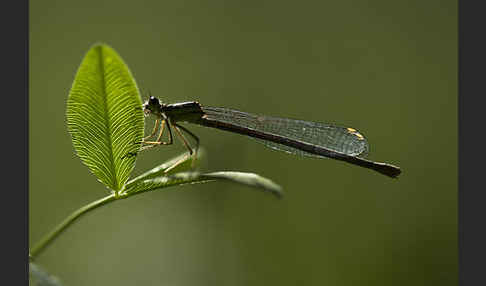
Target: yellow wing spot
354 132
360 137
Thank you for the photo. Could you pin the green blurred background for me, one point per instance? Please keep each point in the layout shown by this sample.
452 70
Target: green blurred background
387 68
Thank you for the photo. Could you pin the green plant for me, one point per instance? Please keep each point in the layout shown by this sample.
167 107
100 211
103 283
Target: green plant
106 122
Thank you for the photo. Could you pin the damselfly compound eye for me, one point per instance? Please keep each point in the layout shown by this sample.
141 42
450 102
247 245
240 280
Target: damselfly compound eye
154 101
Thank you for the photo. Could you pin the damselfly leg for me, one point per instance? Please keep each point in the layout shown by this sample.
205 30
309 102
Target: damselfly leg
156 125
192 152
158 141
192 135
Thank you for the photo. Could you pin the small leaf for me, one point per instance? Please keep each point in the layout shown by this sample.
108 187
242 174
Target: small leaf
248 179
183 161
42 278
104 116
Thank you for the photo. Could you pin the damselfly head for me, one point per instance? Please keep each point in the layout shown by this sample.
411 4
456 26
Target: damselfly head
152 105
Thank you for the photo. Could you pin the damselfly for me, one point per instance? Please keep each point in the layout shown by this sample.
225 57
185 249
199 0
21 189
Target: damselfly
297 137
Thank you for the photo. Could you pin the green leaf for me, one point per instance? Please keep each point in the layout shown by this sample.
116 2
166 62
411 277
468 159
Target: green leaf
247 179
104 116
183 161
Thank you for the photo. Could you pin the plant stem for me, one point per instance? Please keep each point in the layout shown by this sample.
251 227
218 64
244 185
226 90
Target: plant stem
68 221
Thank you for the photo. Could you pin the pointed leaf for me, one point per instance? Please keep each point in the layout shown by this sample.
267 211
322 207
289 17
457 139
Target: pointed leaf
104 116
183 161
248 179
